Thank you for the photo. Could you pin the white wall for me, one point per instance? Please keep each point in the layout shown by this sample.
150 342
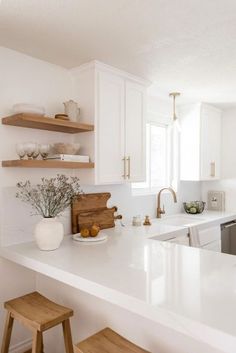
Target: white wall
24 79
159 109
228 162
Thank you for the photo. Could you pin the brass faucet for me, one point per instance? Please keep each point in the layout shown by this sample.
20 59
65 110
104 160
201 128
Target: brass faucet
159 210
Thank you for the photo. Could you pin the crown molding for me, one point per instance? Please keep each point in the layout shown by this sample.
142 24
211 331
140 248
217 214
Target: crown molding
95 64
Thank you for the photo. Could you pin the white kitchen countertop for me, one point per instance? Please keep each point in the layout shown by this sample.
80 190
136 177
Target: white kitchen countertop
188 289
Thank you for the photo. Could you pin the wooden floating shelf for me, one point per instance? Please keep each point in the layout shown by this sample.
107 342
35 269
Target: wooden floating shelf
25 163
35 121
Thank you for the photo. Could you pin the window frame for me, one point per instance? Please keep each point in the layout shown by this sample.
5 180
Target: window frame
148 189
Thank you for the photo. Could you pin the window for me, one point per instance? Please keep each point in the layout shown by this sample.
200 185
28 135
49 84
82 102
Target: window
157 174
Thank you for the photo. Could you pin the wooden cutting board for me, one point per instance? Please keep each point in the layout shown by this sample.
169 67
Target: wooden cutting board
87 208
104 219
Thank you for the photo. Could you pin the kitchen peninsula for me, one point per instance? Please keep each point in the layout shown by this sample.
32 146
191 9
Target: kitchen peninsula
189 290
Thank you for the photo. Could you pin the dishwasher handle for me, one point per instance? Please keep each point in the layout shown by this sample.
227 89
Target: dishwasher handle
228 225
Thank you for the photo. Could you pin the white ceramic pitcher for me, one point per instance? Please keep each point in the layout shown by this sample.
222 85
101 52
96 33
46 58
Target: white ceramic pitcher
72 110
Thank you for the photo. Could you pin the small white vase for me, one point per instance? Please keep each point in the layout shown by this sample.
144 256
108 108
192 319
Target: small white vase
48 234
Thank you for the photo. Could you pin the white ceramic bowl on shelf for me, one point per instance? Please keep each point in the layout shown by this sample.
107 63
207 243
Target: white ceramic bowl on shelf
65 148
28 108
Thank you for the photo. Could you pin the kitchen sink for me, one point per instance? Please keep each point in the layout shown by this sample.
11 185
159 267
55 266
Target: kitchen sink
181 220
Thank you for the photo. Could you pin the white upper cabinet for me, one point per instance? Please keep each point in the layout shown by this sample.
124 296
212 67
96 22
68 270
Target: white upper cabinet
200 142
110 131
135 135
116 103
210 143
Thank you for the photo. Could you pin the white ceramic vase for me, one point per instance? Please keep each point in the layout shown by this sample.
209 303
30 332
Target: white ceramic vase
48 234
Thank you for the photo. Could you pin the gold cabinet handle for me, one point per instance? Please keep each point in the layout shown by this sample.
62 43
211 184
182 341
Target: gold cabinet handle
128 160
124 160
213 169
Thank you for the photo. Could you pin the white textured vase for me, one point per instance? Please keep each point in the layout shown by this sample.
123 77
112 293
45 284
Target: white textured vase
48 234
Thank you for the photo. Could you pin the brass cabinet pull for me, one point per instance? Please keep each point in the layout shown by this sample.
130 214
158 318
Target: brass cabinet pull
124 160
213 169
128 160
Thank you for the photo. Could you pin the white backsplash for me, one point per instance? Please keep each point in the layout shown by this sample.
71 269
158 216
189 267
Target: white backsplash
228 186
130 205
17 223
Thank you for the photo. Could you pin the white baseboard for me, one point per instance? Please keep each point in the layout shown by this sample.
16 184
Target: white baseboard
21 347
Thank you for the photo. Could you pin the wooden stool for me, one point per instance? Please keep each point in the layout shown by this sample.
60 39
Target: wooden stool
107 341
38 314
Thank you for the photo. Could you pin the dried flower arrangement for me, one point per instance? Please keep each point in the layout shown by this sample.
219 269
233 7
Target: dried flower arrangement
52 196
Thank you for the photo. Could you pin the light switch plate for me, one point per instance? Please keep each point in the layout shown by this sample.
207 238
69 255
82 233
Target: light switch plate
216 200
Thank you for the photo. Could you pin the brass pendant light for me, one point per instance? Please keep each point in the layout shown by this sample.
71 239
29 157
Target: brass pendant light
174 95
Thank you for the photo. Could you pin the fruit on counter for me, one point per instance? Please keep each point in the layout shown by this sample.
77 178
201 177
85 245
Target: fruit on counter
84 232
193 210
94 230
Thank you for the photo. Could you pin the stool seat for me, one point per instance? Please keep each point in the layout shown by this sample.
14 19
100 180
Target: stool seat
107 341
36 311
38 314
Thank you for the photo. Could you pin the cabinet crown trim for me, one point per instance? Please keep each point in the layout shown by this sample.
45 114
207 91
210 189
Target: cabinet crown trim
95 64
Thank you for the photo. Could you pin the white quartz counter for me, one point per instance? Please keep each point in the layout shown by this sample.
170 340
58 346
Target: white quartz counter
188 289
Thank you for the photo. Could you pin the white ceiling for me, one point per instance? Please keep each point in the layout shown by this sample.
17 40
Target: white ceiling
185 45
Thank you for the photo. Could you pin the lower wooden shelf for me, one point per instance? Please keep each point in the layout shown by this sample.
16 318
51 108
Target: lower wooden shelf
25 163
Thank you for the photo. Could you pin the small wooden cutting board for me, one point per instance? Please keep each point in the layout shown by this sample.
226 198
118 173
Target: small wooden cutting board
88 209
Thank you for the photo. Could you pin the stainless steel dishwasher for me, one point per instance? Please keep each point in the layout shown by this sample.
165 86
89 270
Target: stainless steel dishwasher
228 238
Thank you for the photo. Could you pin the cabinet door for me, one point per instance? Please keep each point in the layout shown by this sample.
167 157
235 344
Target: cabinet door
190 142
210 143
135 135
109 129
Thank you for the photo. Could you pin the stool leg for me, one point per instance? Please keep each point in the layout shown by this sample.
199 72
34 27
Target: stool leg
7 333
42 345
37 342
67 336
